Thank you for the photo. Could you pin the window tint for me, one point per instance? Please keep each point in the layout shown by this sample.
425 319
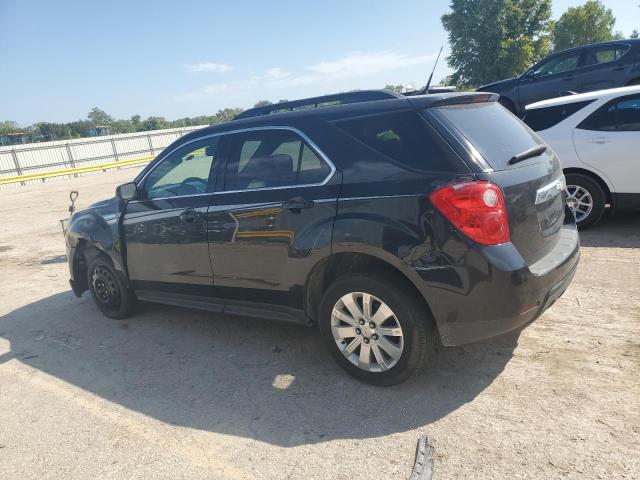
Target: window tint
629 115
559 64
622 115
492 130
542 118
607 54
272 158
405 138
183 172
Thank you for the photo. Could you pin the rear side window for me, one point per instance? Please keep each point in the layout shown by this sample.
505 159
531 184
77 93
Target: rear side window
405 138
622 114
606 54
272 158
492 130
542 118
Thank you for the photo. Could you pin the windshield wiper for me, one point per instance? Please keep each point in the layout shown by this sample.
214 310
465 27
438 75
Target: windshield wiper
529 153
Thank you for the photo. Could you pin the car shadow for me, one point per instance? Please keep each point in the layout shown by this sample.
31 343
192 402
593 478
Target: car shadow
267 381
617 230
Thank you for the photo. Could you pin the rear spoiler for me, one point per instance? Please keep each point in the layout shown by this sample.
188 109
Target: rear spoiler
464 98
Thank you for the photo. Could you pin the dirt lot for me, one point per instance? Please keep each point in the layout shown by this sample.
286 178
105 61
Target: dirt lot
173 393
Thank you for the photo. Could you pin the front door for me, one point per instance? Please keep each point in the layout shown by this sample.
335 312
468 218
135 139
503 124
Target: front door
551 78
273 218
608 140
165 229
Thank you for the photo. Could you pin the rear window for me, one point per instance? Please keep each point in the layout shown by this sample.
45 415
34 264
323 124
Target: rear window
540 119
492 130
405 138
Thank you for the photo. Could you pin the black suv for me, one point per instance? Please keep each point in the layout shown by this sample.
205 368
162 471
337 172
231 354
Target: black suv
390 221
584 69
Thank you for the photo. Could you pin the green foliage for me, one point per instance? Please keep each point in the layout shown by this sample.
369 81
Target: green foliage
635 33
495 39
590 23
262 103
394 88
80 128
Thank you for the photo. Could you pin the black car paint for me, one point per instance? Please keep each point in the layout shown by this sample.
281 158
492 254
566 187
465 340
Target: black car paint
265 258
624 71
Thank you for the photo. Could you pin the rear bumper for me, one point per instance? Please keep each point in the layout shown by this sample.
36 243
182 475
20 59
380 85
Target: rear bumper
493 292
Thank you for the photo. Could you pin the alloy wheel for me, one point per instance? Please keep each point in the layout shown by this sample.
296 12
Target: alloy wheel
367 332
580 201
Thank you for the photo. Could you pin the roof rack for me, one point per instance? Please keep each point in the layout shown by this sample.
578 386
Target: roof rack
323 101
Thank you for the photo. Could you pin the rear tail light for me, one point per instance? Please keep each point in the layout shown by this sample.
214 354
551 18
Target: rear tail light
477 209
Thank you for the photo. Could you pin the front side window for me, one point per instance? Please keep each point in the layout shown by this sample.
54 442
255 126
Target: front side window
610 53
560 64
186 171
540 119
272 158
620 115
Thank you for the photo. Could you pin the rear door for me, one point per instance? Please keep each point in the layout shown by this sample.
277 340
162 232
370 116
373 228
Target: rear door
272 219
609 139
165 229
551 78
603 68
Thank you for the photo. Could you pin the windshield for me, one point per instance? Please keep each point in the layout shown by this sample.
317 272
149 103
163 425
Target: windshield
492 130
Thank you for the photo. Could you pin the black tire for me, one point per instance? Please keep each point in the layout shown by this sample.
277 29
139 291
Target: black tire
413 317
597 195
108 290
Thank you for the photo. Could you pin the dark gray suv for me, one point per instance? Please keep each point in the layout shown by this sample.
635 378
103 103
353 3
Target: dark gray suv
582 69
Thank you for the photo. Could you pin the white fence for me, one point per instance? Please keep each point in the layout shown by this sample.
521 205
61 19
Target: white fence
49 157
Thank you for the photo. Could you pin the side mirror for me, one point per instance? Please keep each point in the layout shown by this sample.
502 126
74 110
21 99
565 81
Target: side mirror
529 75
127 192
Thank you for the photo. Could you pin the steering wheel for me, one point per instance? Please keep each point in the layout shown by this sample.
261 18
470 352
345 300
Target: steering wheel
187 181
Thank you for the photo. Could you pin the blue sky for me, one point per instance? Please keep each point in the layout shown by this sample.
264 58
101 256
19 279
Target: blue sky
58 59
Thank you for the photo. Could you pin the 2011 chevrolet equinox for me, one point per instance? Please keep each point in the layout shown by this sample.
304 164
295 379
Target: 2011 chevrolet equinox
387 220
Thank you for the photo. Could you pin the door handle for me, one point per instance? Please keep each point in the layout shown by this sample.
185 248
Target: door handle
298 203
599 140
569 77
190 216
618 67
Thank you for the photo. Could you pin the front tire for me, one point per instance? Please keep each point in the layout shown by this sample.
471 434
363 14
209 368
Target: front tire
109 292
585 198
374 329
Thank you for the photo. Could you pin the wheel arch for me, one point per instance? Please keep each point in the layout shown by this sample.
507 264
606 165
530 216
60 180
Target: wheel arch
338 264
593 176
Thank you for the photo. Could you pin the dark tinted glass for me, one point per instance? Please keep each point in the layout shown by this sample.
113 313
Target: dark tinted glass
559 64
629 115
492 130
405 138
272 158
542 118
622 114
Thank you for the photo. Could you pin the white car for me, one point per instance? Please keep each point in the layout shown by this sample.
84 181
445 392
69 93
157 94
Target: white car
596 135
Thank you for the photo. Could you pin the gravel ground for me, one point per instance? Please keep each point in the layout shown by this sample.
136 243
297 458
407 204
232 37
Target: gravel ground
179 394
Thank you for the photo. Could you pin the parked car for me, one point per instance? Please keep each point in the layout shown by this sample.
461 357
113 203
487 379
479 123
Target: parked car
583 69
390 221
596 136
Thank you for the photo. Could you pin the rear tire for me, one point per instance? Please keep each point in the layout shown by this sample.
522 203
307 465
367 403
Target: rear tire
108 290
586 199
395 346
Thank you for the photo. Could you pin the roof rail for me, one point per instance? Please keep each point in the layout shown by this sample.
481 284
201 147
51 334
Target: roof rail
323 101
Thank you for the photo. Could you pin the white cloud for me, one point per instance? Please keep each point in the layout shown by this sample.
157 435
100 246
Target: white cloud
276 80
364 64
209 67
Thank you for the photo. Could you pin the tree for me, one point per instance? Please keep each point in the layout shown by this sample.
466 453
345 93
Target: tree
262 103
394 88
495 39
590 23
99 117
635 33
